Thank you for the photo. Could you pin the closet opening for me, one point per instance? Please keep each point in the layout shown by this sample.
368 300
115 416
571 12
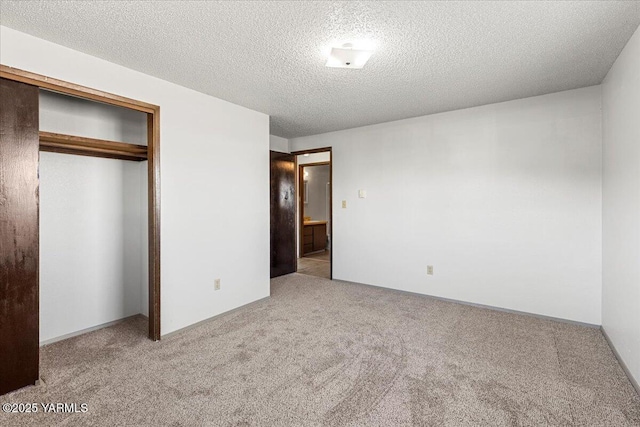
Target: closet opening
93 222
98 235
94 206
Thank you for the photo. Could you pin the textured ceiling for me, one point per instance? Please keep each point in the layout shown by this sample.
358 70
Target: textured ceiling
269 56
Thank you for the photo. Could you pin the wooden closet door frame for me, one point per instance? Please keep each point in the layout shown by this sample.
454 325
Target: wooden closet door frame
153 167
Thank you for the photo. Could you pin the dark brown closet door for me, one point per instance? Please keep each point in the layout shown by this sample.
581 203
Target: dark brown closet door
19 328
283 214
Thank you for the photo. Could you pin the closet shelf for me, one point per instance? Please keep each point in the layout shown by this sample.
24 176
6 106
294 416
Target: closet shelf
70 144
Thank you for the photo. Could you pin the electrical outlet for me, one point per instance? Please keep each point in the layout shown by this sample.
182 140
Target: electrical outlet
344 204
430 270
216 285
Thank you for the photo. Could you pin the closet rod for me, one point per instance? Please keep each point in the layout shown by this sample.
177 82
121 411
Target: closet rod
70 144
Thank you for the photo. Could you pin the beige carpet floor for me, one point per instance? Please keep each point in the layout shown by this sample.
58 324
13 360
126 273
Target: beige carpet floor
329 353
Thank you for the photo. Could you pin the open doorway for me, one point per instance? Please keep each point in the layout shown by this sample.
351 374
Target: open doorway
314 208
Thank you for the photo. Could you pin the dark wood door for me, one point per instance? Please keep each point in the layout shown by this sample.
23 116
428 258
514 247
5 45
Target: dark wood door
283 214
19 305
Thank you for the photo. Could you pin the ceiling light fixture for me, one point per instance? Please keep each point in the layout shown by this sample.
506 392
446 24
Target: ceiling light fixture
348 57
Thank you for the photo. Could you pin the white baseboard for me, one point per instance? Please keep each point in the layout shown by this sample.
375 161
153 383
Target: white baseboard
209 319
84 331
626 370
488 307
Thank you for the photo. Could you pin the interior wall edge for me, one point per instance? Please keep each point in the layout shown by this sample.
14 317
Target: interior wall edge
621 205
624 366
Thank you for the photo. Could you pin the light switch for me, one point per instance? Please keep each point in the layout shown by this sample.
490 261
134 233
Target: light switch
344 204
362 194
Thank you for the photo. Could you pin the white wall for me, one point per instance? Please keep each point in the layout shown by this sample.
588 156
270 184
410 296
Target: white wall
210 152
74 116
504 201
277 143
90 244
621 205
317 179
324 156
144 238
